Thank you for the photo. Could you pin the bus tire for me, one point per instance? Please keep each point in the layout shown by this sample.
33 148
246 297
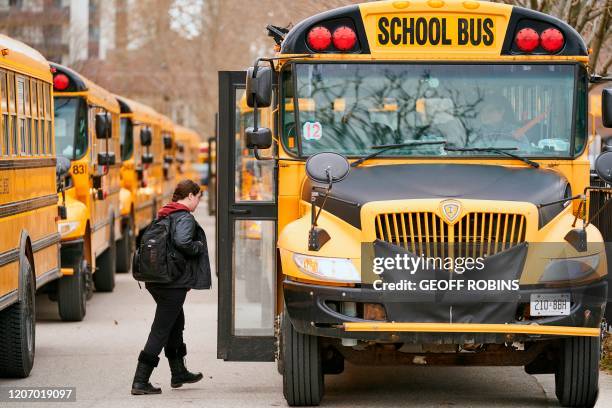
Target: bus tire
124 248
577 374
18 330
104 278
302 372
72 294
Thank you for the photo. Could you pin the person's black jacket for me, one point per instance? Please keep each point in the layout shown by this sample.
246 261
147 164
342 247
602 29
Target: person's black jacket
190 257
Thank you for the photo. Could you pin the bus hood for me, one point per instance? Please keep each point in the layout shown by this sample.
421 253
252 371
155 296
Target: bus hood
444 181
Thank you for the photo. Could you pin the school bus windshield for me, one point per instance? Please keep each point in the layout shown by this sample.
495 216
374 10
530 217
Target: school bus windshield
70 127
351 107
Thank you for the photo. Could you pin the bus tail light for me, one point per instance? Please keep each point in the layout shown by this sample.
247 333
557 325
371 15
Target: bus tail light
527 39
60 82
344 38
319 38
552 40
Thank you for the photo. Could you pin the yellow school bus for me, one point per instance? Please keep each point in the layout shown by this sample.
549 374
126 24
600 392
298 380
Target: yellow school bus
429 197
202 165
87 133
29 242
187 151
141 173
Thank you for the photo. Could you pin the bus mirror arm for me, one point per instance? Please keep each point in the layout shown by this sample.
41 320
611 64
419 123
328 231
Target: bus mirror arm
258 157
317 237
577 237
62 210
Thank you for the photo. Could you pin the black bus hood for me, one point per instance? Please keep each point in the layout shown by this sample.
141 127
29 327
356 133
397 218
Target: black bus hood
444 181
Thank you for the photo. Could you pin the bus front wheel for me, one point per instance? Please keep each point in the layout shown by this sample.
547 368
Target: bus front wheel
302 369
104 278
125 247
577 375
72 293
18 331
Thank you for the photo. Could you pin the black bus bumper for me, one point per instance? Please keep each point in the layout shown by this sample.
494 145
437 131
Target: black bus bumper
317 310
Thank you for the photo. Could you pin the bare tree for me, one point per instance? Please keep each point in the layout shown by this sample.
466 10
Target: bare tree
591 18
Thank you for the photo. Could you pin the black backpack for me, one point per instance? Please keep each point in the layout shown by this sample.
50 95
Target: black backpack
151 259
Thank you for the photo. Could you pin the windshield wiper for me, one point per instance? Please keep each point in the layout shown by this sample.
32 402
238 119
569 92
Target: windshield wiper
383 148
499 150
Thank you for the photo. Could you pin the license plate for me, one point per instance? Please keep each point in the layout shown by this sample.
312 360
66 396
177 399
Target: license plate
557 304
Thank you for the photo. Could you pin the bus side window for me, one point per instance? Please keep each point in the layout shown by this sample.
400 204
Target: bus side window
12 113
5 125
20 115
48 113
28 117
34 100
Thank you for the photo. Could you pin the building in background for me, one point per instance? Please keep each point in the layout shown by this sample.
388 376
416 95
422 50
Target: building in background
64 31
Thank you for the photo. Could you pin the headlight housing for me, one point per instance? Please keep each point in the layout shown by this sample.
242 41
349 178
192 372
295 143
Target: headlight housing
333 269
569 269
66 228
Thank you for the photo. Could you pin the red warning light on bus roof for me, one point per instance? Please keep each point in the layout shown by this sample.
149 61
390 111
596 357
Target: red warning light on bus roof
552 40
60 82
319 38
344 38
527 39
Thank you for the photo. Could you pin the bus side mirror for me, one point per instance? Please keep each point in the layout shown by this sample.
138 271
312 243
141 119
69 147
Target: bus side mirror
146 138
606 107
106 159
103 125
327 168
167 142
147 158
323 168
258 139
259 87
62 166
603 166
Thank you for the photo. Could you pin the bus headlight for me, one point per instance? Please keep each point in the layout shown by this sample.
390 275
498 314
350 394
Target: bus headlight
570 268
66 228
336 269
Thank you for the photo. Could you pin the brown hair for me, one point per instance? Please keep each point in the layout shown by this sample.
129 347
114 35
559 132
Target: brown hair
183 189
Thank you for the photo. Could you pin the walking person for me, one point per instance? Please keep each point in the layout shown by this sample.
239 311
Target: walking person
190 264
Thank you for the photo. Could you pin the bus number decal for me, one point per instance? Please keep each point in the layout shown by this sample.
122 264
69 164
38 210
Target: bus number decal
78 169
435 31
312 131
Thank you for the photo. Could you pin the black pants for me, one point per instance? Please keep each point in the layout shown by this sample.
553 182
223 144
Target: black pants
169 322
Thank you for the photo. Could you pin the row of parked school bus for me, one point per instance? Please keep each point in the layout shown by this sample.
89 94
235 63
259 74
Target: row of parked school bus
82 172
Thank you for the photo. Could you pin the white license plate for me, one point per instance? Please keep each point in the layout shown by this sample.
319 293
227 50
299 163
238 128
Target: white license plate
557 304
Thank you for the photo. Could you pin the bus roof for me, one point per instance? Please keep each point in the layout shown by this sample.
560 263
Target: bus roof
184 134
19 57
167 124
80 85
139 111
433 30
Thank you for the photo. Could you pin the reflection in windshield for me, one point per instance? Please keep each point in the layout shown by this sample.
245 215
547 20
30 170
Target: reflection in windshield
70 127
348 108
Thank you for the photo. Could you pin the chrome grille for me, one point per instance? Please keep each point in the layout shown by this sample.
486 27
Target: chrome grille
474 234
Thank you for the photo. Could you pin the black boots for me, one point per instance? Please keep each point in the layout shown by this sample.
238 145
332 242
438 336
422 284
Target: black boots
180 374
141 384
